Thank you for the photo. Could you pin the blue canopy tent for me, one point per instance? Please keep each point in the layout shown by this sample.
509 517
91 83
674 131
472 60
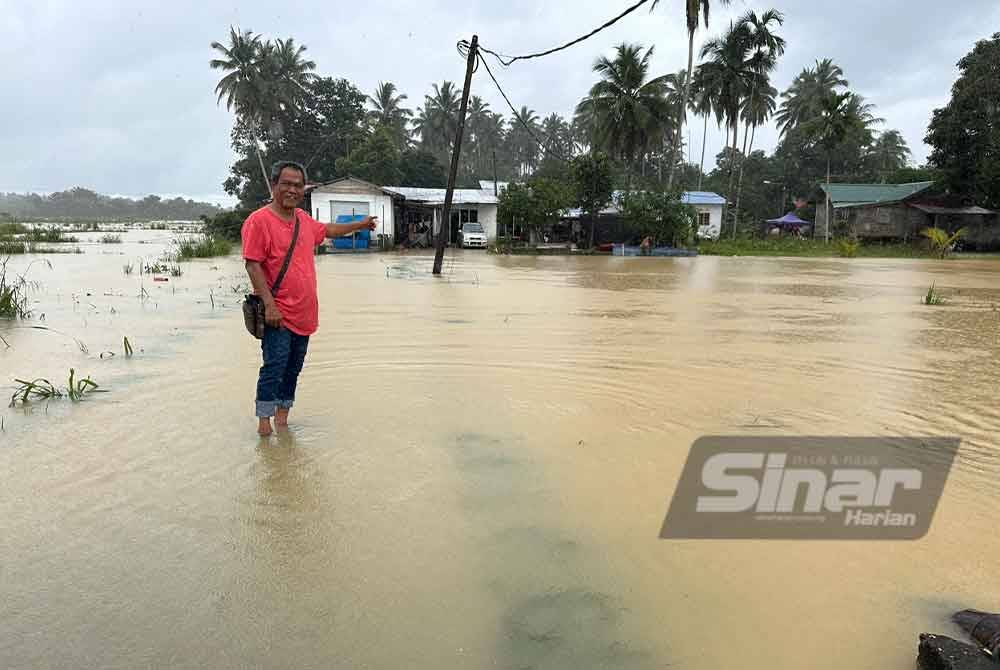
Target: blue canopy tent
789 222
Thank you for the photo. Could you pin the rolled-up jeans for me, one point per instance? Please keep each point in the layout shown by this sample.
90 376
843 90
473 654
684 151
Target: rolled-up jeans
284 352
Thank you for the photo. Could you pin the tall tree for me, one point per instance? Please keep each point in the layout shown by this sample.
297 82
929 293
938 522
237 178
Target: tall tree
437 121
693 11
243 85
387 111
593 186
841 116
705 97
802 100
521 142
629 110
965 134
758 105
888 153
557 136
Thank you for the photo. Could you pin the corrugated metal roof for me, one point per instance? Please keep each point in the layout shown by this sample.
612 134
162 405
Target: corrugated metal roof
703 198
435 196
856 195
934 209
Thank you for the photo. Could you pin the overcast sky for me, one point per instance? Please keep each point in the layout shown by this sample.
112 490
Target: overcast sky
118 97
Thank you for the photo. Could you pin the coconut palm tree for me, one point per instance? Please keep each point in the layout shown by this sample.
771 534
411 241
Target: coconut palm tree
243 85
286 73
801 101
727 72
889 153
557 136
388 112
437 121
834 120
703 103
759 103
521 142
693 10
629 111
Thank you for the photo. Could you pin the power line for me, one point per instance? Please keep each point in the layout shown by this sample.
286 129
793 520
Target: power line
506 61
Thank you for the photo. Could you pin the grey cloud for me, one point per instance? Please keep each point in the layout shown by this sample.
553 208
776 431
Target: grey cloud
119 97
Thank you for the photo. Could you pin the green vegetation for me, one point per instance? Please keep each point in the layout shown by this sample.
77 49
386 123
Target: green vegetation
533 205
14 290
226 225
942 243
49 235
10 229
847 248
127 346
933 297
43 389
205 247
13 293
964 133
661 216
111 238
593 186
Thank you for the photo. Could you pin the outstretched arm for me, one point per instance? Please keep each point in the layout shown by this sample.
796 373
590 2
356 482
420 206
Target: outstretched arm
341 229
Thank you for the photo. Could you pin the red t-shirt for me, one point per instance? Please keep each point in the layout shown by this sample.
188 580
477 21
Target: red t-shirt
266 238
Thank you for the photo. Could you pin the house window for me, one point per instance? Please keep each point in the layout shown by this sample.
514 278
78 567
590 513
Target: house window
883 215
704 219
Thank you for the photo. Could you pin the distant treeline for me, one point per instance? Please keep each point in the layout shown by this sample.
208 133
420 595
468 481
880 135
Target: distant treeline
81 204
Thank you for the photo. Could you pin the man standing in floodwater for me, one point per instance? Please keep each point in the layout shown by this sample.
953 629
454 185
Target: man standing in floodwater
293 314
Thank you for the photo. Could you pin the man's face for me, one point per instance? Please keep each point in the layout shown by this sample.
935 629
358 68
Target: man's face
289 190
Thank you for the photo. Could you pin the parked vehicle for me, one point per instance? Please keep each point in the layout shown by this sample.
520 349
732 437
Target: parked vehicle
472 235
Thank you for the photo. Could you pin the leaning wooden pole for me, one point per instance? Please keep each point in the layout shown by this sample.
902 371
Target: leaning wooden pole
445 230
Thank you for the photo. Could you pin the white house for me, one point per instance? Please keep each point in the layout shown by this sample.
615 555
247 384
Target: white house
710 208
404 211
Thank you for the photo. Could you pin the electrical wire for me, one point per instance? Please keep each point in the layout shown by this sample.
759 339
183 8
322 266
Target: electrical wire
517 115
507 61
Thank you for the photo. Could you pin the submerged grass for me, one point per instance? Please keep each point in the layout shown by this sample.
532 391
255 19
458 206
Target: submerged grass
110 238
14 291
43 389
206 247
933 297
50 235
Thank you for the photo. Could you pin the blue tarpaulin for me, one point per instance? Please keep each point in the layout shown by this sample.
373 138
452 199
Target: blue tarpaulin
789 219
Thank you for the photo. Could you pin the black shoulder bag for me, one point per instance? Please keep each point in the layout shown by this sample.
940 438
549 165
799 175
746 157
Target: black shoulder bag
253 306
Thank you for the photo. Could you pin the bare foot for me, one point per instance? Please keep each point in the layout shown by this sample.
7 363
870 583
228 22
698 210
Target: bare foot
281 418
264 427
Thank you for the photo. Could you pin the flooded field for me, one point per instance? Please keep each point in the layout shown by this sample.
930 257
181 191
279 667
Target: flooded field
479 465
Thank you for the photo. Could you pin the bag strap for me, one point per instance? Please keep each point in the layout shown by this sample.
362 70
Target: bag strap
288 257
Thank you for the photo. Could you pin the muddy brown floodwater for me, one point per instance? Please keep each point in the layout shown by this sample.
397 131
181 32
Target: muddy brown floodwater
479 465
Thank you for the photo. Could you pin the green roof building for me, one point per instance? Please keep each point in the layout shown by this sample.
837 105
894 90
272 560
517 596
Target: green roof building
897 212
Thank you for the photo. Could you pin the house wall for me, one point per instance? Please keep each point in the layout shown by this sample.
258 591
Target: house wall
714 228
877 222
379 204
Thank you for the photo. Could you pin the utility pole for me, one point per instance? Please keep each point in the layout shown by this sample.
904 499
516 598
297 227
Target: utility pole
445 230
496 188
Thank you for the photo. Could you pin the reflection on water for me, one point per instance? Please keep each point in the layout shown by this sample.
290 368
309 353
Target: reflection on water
478 467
